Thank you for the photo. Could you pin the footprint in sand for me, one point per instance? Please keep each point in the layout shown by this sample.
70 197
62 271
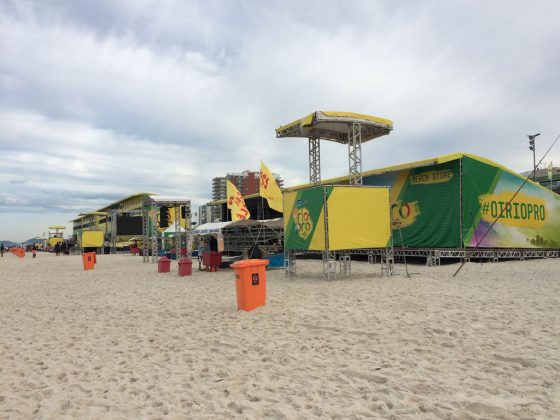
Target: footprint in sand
485 410
368 377
523 362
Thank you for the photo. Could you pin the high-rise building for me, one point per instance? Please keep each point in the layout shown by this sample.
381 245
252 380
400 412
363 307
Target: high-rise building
247 182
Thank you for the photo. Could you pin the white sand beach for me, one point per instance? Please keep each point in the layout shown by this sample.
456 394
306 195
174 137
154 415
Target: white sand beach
123 341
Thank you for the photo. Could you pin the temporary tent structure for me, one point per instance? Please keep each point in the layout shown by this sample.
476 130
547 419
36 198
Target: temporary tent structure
451 201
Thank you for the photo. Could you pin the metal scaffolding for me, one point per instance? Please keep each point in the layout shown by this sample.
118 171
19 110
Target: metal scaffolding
355 153
151 234
239 236
341 258
340 127
314 161
113 216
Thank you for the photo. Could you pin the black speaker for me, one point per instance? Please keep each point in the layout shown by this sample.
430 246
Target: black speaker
163 217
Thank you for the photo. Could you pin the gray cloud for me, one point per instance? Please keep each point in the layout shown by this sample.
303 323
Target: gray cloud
101 101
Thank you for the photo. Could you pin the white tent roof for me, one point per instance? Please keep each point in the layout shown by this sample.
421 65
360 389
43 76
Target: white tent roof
210 228
169 198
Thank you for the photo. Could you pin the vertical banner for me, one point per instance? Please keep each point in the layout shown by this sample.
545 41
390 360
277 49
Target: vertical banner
236 203
304 223
270 190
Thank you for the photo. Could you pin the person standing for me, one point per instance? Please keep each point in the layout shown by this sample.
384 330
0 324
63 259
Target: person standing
213 244
2 249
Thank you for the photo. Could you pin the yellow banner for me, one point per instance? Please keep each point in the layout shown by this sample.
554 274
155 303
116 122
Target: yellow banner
170 218
523 211
431 177
236 203
183 221
270 190
92 239
359 218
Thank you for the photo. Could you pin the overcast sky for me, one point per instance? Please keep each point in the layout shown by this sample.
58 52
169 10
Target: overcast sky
103 99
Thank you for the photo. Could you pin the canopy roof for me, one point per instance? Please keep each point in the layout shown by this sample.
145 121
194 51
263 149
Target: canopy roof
56 227
330 125
271 223
210 228
167 199
216 227
94 213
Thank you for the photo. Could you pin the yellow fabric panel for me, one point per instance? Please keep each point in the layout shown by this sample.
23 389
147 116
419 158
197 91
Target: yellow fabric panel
364 117
302 121
184 222
171 216
125 199
308 119
53 241
269 189
92 239
318 240
289 202
236 203
359 218
132 203
398 185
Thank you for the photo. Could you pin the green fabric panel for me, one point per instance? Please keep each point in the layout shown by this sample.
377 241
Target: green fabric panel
310 199
438 220
478 178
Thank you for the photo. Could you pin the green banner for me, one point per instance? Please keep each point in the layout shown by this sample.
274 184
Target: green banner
303 218
496 215
425 205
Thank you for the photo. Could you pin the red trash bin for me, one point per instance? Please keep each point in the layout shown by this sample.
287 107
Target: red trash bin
164 265
212 260
185 267
250 283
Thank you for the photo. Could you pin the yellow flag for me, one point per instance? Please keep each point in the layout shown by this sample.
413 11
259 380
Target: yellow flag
236 203
270 190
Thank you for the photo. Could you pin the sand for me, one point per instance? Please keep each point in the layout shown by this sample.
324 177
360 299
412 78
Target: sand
123 341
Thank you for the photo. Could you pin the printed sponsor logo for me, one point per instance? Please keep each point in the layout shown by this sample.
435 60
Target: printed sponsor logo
431 177
404 214
523 211
302 222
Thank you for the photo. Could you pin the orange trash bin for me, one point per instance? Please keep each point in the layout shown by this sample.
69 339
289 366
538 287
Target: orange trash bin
89 260
250 283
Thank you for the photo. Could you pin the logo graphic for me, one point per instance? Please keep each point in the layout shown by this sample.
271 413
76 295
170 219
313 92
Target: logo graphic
302 221
431 177
523 211
404 214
